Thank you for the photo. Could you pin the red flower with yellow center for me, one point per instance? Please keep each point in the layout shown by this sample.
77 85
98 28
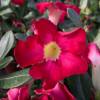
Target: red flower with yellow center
53 55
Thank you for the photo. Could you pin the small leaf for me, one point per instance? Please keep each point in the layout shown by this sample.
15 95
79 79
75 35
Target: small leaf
14 79
67 25
5 11
83 4
6 44
74 17
20 36
29 15
4 62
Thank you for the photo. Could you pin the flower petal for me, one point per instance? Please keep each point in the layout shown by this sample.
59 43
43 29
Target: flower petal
45 30
55 14
21 93
42 6
94 54
24 93
74 42
49 71
13 94
63 6
66 66
73 65
18 2
28 52
60 92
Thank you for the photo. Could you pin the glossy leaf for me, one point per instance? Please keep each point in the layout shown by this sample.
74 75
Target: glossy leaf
4 62
20 36
6 43
83 4
74 17
5 2
14 79
5 11
86 85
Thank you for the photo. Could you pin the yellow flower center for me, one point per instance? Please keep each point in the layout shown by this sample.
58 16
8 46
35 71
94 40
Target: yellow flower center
51 51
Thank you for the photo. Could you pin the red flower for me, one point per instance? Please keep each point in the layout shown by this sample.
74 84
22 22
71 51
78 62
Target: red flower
59 92
19 94
53 55
56 10
18 2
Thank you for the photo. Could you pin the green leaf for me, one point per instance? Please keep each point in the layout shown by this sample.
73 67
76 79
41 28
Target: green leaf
67 25
86 83
94 5
4 62
5 11
74 17
5 2
29 15
79 89
83 4
6 44
20 36
97 96
14 79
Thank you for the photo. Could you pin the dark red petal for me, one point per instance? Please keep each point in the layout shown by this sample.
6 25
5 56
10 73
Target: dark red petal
59 92
18 2
42 6
28 52
64 6
74 42
24 93
45 30
73 65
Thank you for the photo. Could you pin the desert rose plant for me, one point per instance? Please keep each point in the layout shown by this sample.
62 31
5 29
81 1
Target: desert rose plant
49 50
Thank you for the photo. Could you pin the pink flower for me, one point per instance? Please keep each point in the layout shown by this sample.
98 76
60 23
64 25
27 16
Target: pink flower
53 56
18 2
59 92
19 94
94 56
57 10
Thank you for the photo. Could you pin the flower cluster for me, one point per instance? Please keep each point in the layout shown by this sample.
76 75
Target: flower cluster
53 48
53 54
